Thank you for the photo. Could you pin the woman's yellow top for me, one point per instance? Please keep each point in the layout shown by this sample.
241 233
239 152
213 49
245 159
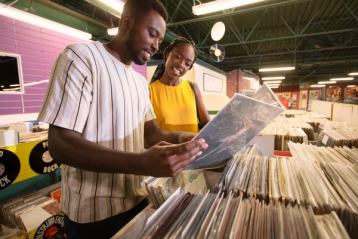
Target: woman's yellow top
174 106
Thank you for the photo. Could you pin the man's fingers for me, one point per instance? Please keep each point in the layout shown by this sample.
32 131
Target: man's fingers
183 160
164 143
188 146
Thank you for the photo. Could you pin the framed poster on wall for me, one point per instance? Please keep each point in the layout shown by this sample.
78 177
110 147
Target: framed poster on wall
212 83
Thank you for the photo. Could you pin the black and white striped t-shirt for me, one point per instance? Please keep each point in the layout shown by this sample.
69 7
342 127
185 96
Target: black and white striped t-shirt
93 93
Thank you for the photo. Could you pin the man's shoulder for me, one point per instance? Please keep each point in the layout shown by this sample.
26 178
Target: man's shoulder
81 52
81 48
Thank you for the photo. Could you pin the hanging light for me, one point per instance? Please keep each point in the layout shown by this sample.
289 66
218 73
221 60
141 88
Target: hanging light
220 5
273 78
269 69
341 79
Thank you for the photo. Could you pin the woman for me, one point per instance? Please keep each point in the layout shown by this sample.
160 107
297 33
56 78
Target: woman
177 103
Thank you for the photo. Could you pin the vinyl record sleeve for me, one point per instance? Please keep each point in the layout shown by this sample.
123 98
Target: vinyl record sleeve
232 128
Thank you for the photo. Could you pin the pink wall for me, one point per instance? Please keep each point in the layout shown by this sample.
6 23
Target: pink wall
39 49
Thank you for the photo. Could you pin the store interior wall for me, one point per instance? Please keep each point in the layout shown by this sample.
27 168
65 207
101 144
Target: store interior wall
39 48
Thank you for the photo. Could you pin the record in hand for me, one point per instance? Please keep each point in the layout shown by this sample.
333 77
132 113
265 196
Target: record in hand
217 52
9 167
41 161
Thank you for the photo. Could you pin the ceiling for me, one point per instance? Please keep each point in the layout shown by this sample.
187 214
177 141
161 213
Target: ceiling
318 37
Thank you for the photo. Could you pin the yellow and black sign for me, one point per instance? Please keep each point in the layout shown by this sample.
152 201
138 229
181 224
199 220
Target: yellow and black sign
25 160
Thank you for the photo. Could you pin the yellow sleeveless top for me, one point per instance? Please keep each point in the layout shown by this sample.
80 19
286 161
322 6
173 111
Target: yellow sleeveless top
174 106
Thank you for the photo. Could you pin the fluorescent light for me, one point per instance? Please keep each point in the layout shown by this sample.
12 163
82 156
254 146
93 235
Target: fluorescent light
273 82
112 31
248 78
285 68
353 74
317 86
273 85
327 82
273 78
350 86
341 79
42 22
116 5
219 5
12 85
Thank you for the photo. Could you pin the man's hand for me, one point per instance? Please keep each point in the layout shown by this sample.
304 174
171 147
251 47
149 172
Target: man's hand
185 137
164 159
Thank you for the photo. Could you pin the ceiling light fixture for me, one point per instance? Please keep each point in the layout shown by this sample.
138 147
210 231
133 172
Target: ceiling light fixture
327 82
112 31
219 5
32 19
218 31
351 86
115 5
353 74
317 86
341 79
273 78
269 69
273 82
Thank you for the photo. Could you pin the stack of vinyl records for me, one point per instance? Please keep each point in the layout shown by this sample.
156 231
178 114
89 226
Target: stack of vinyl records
295 123
324 178
279 179
35 214
160 189
209 215
297 135
340 166
299 132
312 118
279 134
347 136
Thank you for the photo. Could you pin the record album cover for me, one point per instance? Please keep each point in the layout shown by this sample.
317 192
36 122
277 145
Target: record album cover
235 125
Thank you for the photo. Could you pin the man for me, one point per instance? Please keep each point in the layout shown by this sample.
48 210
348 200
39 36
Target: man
100 118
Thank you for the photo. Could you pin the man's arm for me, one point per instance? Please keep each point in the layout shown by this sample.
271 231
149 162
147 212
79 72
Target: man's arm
70 148
154 135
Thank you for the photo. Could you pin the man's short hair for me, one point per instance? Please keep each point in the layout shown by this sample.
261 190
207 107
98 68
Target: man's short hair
138 8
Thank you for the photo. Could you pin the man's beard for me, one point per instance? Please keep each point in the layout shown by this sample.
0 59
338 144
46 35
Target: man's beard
134 56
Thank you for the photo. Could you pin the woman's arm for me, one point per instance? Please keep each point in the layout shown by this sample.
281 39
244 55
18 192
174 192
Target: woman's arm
203 115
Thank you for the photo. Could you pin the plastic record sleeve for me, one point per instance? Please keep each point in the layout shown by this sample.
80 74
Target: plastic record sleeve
9 168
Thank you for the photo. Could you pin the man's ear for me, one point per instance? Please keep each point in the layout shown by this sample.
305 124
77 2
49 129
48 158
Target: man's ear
126 23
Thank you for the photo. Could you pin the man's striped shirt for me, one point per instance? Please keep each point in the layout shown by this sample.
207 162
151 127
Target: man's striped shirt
95 94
